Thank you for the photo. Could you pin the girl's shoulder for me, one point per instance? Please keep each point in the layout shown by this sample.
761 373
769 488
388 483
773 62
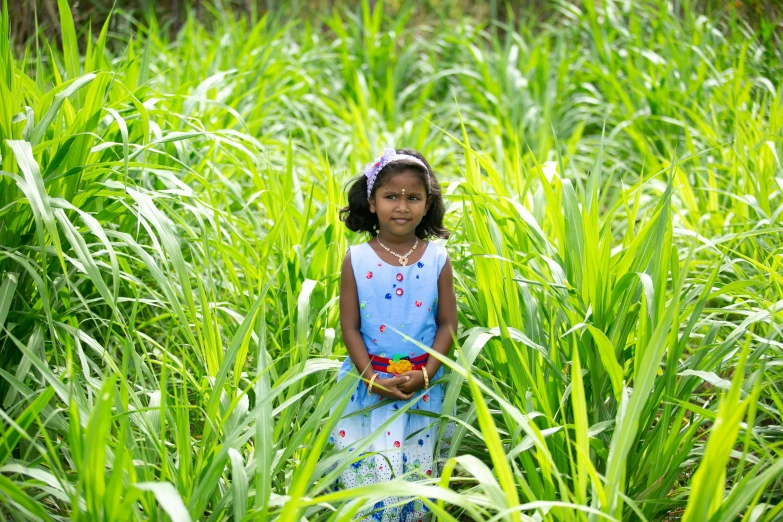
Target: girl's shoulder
356 249
440 254
357 254
437 247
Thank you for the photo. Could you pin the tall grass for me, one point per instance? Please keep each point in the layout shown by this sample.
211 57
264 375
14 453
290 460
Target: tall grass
170 252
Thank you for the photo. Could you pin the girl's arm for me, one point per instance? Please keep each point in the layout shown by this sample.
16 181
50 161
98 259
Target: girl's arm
447 317
350 320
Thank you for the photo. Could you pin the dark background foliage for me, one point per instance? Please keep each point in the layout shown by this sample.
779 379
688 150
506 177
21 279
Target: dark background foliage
765 16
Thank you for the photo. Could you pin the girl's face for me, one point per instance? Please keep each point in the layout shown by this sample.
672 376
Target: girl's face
400 204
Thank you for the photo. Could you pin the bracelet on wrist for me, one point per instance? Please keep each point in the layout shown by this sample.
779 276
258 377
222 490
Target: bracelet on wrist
369 385
426 377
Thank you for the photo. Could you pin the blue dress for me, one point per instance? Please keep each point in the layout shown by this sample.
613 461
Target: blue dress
402 298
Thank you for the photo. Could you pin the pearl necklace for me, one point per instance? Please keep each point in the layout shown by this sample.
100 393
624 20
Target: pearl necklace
403 259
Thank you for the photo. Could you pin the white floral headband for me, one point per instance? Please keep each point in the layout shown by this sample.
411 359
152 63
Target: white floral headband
389 156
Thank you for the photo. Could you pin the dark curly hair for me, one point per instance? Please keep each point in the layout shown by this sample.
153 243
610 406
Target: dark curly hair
357 215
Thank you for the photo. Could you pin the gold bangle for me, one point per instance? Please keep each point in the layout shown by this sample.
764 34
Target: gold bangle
426 377
369 386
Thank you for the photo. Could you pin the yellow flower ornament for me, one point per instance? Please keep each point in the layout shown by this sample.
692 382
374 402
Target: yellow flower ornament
397 365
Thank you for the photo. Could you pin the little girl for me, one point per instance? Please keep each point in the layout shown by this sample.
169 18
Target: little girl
396 287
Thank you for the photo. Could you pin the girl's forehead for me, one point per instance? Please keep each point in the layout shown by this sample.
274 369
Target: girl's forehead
404 180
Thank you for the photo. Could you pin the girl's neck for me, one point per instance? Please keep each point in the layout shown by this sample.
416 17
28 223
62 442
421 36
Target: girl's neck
397 241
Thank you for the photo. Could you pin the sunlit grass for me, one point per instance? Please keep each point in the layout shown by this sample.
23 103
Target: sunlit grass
170 253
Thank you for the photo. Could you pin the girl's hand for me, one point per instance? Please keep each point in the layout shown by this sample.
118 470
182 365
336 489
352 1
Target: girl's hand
391 388
414 384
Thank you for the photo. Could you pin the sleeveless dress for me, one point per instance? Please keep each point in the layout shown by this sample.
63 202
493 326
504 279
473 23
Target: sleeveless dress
404 298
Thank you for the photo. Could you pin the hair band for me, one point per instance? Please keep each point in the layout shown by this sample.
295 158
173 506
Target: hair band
389 155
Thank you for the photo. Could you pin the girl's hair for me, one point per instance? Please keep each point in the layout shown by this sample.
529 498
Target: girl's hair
357 215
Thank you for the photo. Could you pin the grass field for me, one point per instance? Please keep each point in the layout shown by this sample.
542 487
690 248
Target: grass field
170 254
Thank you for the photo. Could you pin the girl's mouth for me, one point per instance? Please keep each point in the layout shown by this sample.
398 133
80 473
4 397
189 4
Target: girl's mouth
400 221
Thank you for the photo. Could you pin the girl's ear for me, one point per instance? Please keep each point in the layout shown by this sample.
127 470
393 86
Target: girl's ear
429 204
372 204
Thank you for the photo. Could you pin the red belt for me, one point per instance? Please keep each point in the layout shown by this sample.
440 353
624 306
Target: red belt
384 364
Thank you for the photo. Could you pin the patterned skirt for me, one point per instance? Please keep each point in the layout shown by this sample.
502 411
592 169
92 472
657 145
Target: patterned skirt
404 448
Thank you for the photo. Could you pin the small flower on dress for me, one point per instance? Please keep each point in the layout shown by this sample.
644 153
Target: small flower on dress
388 296
420 264
421 442
399 277
396 444
417 277
375 340
363 304
342 433
383 328
399 291
388 433
428 472
418 303
369 275
353 397
425 398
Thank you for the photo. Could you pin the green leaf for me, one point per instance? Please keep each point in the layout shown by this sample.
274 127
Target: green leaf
168 498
